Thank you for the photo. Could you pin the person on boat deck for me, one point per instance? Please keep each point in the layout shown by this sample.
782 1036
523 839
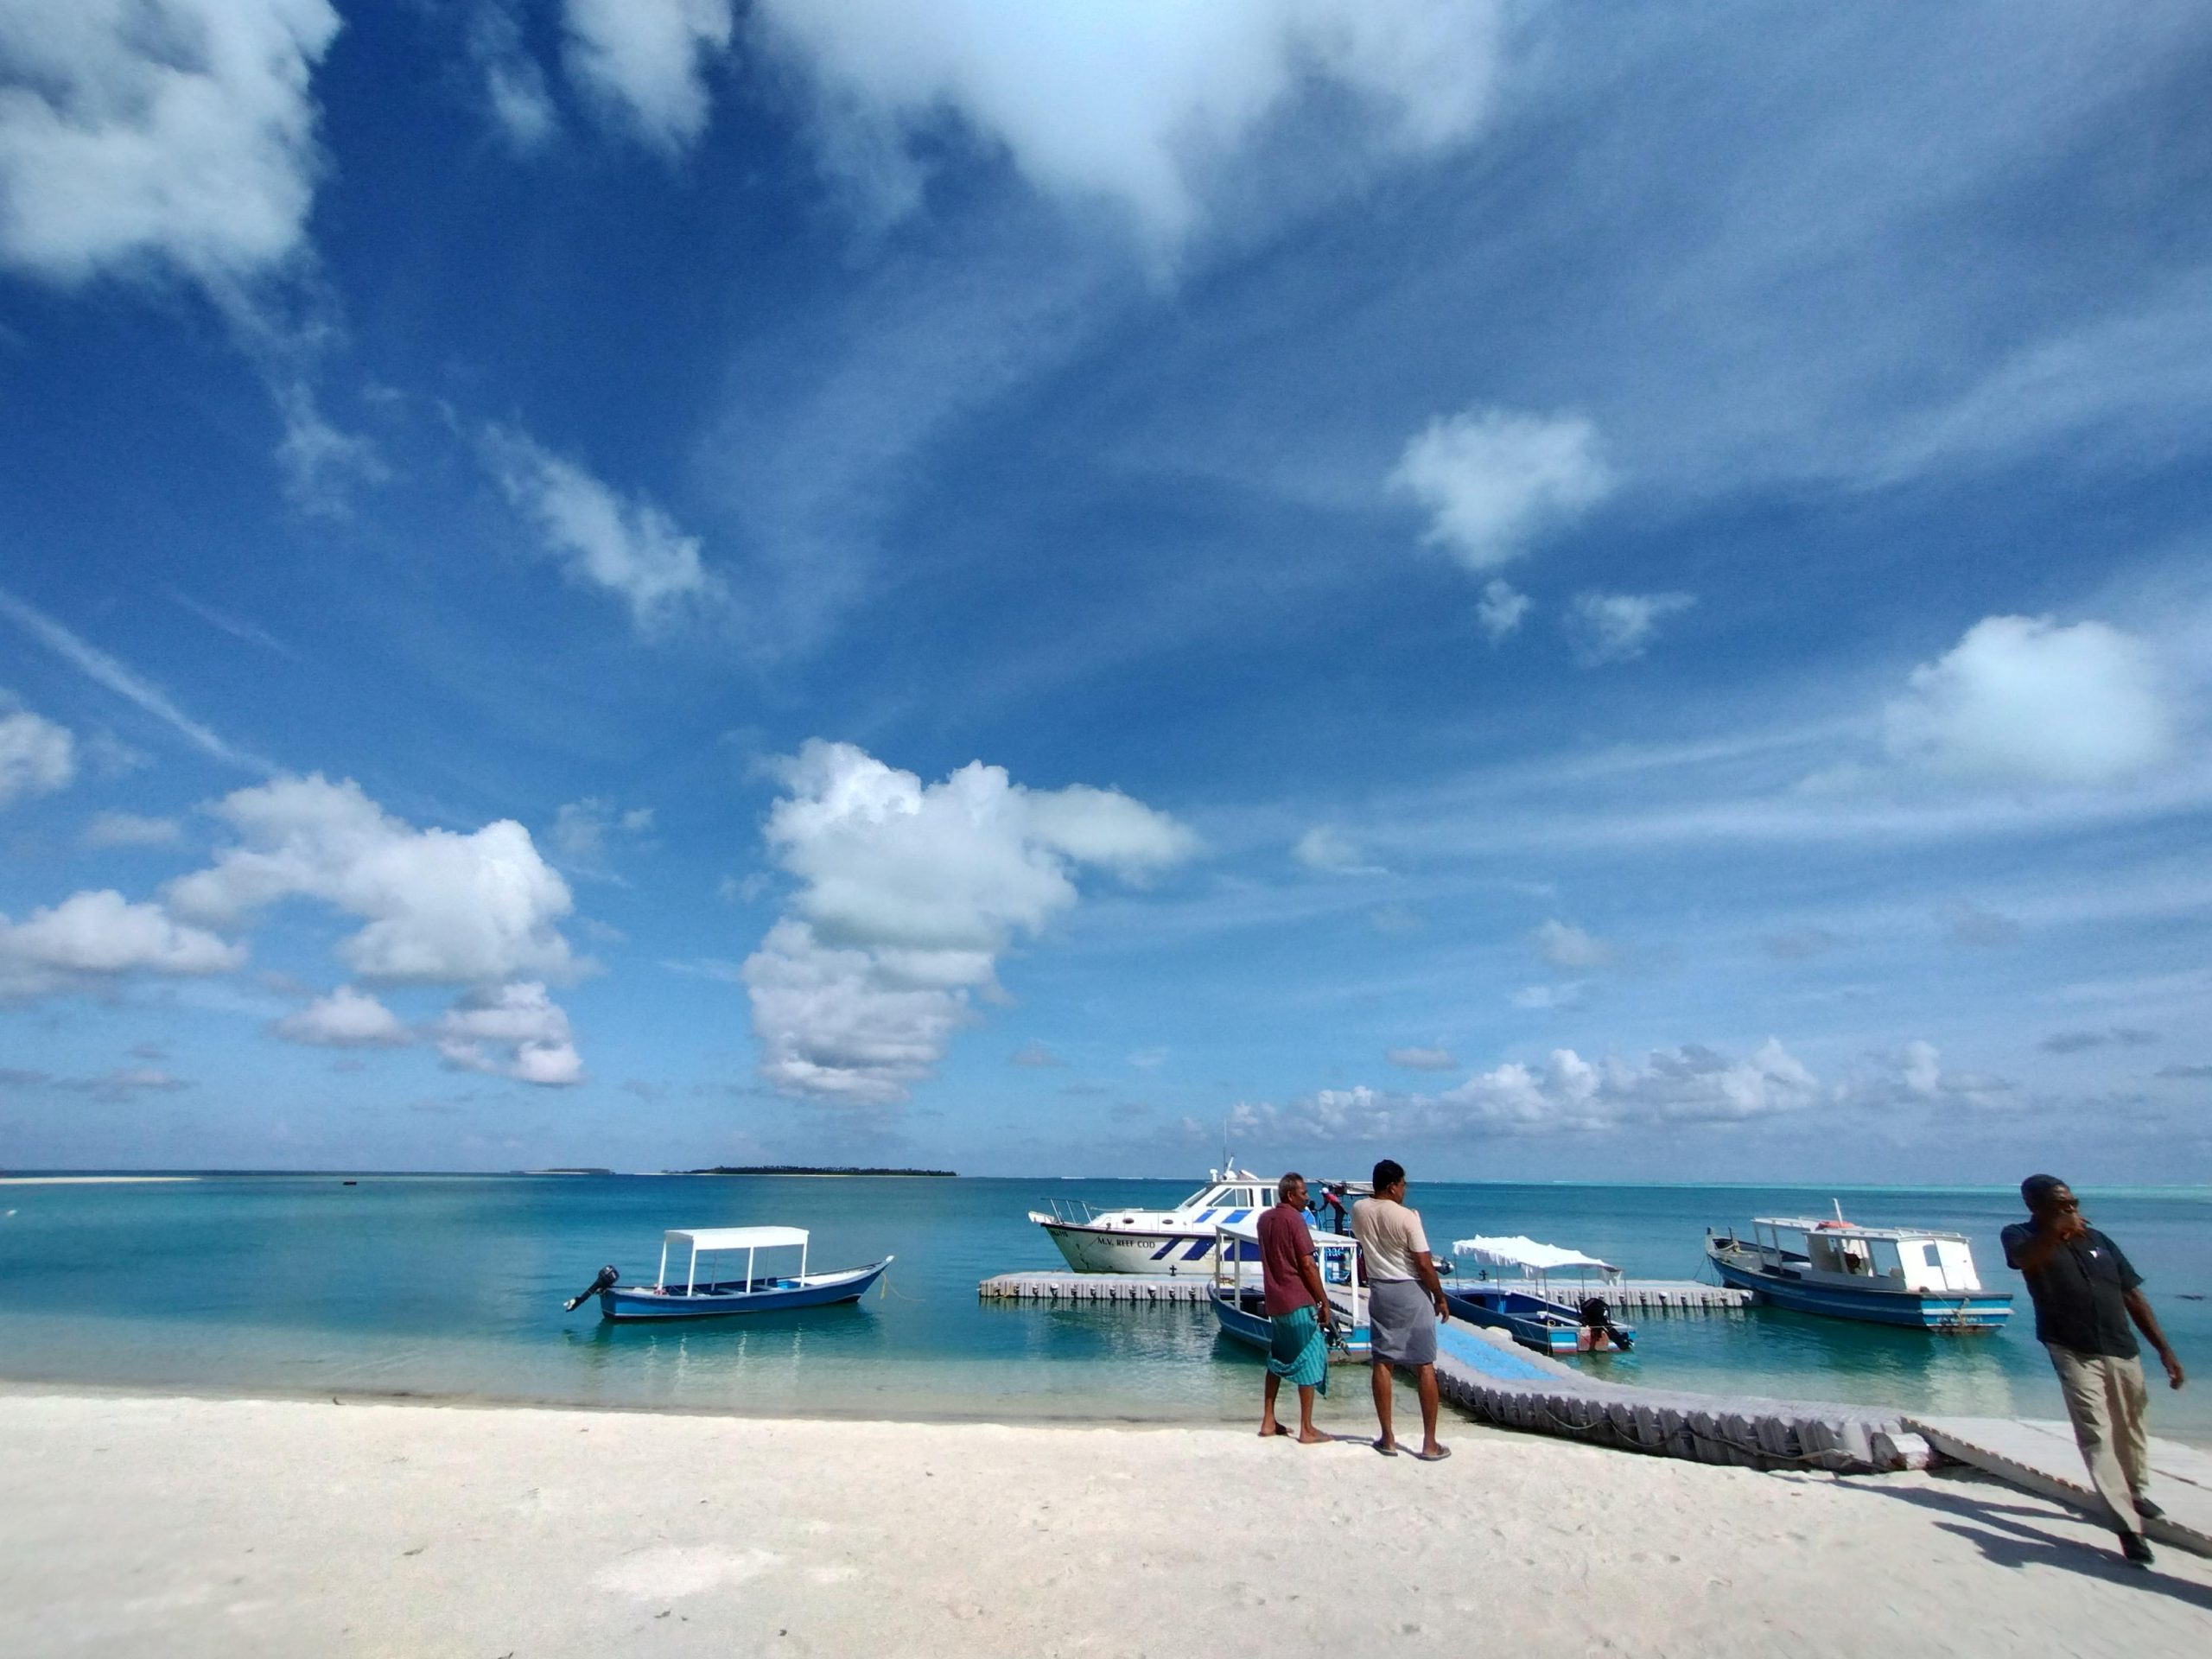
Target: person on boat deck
2085 1290
1404 1301
1298 1310
1333 1199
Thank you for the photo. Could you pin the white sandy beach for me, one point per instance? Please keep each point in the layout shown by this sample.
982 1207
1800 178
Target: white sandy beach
159 1526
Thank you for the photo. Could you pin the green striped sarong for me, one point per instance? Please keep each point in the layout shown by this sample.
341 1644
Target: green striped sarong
1299 1353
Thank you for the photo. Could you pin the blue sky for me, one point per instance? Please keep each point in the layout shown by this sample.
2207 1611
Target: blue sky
1550 592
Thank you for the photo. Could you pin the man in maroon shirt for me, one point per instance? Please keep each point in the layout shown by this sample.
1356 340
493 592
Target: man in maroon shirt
1298 1308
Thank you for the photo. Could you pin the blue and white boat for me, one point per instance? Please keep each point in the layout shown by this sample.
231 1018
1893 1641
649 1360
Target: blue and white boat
1239 1299
1165 1243
1559 1323
698 1297
1889 1275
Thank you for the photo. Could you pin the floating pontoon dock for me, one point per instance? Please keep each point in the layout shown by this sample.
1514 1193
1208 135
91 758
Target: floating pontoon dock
2042 1458
1658 1295
1062 1287
1490 1376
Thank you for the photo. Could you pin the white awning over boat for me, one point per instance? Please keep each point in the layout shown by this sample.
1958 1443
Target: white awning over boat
1527 1254
737 1239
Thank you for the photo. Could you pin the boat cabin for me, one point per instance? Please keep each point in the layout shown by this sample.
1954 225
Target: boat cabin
1908 1259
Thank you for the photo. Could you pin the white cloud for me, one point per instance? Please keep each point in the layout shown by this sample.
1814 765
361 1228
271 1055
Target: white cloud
1422 1059
1501 609
345 1019
1135 105
441 907
37 756
582 831
2023 700
1565 945
1546 999
1493 481
92 936
515 91
1326 848
1034 1053
180 130
129 829
907 895
631 549
510 1031
1915 1077
1671 1087
104 670
1618 627
647 60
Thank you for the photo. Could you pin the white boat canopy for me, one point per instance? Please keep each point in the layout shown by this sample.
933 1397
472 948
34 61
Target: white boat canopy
737 1239
1528 1256
710 1239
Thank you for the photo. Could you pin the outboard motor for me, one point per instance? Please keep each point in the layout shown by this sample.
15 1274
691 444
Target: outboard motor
605 1281
1597 1318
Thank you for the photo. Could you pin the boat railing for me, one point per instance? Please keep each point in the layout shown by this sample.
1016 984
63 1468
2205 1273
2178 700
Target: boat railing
1073 1212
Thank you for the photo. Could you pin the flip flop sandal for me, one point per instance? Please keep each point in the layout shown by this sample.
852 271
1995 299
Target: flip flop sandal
1437 1456
1386 1451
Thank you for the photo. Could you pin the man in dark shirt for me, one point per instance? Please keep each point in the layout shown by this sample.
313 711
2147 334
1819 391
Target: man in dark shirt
1298 1310
2085 1291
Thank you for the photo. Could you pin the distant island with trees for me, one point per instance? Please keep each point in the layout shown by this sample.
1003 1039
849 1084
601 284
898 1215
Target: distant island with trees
811 1169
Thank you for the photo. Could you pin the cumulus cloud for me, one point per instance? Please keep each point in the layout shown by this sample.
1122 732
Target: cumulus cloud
129 829
2024 700
345 1019
96 935
646 60
1619 628
1565 945
627 548
1915 1077
1422 1059
1673 1087
1326 848
907 895
1501 609
510 1031
1136 106
441 907
180 131
1493 481
37 756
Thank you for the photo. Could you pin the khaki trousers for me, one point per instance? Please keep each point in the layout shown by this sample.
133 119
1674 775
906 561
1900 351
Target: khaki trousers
2107 1400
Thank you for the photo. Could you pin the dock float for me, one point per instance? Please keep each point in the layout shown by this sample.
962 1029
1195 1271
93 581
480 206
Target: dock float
1649 1295
1493 1379
1062 1287
1646 1295
2041 1456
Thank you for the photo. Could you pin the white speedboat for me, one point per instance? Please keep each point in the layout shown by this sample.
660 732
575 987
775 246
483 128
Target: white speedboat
1169 1243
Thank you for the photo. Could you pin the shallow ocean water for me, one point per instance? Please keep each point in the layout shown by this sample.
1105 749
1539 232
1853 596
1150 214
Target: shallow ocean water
453 1285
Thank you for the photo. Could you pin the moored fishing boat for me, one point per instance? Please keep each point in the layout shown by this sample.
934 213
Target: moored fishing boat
697 1298
1562 1324
1912 1276
1239 1299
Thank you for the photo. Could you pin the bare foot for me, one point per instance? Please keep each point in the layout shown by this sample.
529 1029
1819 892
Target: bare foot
1314 1437
1268 1430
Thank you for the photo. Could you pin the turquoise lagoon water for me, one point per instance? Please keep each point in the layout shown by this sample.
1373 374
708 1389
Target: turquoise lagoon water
453 1285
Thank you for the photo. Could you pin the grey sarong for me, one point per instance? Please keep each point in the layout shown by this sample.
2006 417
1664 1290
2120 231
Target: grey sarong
1401 1322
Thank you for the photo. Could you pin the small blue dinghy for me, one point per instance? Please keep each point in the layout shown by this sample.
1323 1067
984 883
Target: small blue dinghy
697 1298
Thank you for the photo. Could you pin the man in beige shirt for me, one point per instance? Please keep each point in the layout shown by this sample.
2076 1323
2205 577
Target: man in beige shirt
1404 1300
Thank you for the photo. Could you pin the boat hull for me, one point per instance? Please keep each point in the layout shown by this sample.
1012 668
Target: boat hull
1912 1309
1242 1318
1162 1252
1534 1322
627 1304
